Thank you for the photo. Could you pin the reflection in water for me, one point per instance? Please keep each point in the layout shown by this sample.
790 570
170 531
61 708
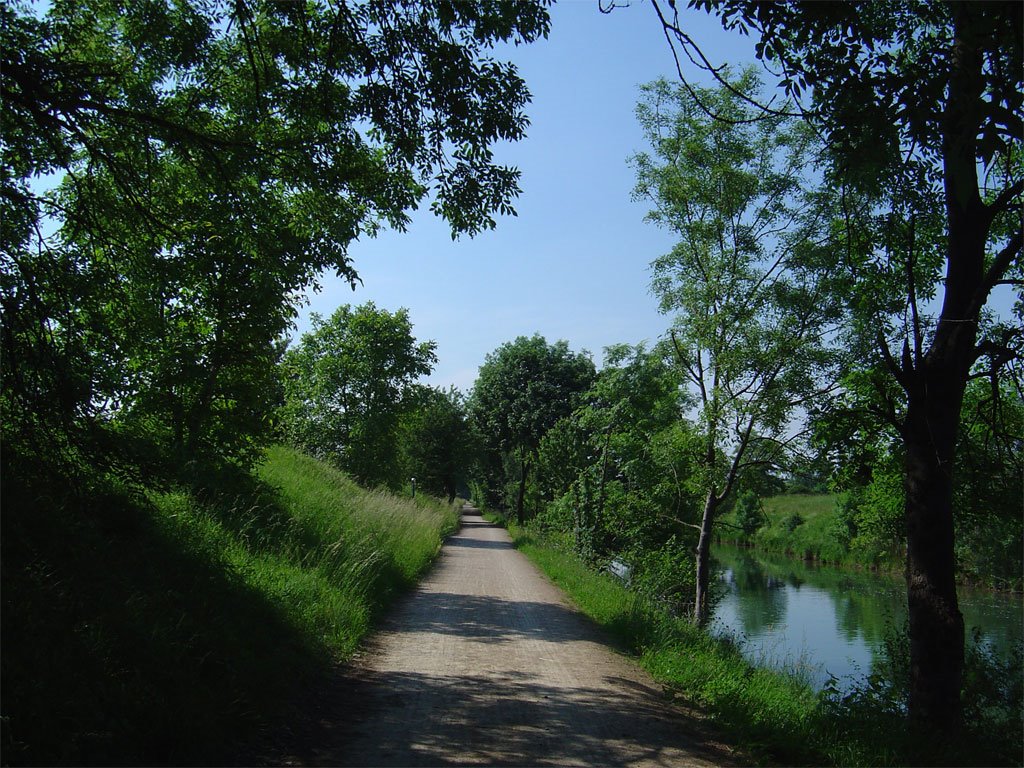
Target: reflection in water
766 606
823 622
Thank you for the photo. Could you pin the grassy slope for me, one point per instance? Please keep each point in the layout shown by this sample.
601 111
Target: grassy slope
166 629
813 539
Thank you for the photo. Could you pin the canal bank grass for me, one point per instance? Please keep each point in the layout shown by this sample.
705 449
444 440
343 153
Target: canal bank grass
772 716
147 628
805 526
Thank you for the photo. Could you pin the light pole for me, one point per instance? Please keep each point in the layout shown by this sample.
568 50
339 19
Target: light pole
413 481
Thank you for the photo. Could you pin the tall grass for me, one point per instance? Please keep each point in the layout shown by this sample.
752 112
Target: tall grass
168 627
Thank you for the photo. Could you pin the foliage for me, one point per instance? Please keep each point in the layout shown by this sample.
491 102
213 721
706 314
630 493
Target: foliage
524 387
347 385
993 700
175 173
751 313
793 521
815 539
990 484
986 508
665 574
749 513
614 478
437 442
131 620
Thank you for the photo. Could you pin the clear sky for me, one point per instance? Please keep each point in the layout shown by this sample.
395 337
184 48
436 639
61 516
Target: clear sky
573 264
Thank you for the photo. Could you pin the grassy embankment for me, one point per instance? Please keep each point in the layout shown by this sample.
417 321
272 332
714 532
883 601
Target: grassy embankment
774 716
804 526
148 628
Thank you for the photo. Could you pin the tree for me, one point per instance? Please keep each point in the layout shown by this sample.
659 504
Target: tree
614 477
750 515
919 102
524 387
347 385
437 442
639 462
209 160
751 320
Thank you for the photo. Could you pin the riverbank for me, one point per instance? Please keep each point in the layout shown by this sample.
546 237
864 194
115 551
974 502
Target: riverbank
776 717
812 528
166 627
808 527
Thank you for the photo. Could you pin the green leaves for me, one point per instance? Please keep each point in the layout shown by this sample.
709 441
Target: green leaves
524 387
210 159
750 307
348 384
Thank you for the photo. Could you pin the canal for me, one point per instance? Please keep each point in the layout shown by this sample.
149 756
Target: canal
820 621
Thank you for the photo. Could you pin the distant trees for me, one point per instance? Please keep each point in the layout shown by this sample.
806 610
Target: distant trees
524 387
439 447
613 479
751 315
347 386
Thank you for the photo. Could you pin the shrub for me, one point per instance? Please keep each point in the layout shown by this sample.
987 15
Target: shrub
793 521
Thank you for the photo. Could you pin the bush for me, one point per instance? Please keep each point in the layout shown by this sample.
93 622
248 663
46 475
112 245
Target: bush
750 515
993 708
666 575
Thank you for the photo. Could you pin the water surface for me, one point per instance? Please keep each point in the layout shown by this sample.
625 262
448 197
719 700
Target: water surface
822 621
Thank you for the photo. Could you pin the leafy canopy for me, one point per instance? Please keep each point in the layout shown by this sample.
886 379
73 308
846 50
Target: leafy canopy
751 311
175 172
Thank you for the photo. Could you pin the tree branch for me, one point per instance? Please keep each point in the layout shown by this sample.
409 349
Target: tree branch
1000 264
671 28
1004 199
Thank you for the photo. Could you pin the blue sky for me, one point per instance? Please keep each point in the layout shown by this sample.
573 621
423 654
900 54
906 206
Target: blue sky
574 264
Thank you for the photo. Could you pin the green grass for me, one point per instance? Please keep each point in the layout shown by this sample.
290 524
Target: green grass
173 627
773 716
803 526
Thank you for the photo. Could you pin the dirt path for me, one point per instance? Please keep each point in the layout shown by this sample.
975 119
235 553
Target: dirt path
487 663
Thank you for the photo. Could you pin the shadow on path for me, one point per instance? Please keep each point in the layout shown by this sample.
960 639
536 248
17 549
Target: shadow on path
511 720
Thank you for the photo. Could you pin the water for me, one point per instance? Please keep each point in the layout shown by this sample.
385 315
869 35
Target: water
821 621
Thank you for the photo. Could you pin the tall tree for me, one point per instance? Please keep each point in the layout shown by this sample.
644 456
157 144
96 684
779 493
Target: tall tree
750 320
624 461
347 385
523 388
919 102
210 160
437 441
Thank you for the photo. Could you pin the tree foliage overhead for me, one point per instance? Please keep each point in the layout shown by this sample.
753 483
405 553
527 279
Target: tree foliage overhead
209 160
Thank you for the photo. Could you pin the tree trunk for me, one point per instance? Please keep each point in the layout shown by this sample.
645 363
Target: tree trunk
936 624
935 385
524 470
700 607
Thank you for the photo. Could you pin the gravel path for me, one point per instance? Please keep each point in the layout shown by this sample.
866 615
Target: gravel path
487 663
